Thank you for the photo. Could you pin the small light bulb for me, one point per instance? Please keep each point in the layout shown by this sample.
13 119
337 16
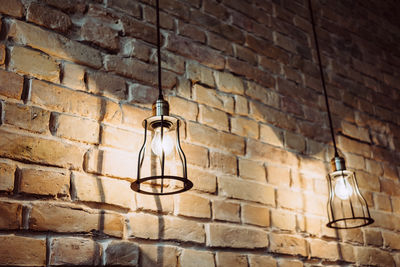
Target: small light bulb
167 145
343 189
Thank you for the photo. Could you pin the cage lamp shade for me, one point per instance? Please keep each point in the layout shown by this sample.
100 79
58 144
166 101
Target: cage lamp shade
161 166
347 208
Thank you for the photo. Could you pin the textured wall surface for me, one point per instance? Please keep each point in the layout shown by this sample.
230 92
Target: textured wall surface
77 77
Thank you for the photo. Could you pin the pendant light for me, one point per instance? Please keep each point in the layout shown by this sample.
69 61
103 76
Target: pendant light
164 148
347 208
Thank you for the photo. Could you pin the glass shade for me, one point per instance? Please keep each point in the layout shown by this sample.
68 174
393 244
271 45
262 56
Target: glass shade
161 162
347 208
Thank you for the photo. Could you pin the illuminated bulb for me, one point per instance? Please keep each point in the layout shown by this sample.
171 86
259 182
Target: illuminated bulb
343 188
167 145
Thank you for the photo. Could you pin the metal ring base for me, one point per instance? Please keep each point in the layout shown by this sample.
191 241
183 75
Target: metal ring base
187 184
365 221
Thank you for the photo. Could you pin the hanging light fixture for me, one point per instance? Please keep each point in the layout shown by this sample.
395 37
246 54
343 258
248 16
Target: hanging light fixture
347 208
163 150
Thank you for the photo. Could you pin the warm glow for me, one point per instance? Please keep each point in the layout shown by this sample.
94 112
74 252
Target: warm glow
343 189
167 144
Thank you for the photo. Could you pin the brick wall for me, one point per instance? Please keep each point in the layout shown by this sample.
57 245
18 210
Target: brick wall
78 77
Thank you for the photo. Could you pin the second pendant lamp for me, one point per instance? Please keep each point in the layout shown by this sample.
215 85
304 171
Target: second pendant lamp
347 208
161 166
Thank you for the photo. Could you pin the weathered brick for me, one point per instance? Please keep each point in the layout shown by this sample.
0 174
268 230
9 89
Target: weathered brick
183 107
22 251
256 215
101 35
26 117
192 32
355 132
191 257
373 256
271 135
289 199
133 116
203 181
199 74
241 105
110 162
121 138
214 118
244 127
246 190
352 146
103 190
107 85
11 216
259 261
139 93
391 240
373 237
396 204
44 182
231 259
272 116
228 83
212 98
251 170
138 70
74 251
131 47
158 256
127 6
28 148
278 175
225 211
224 163
28 62
2 53
185 47
7 172
288 244
284 220
73 76
324 250
60 99
13 8
150 203
75 128
382 202
315 204
295 142
195 155
70 6
224 235
48 17
260 151
263 94
217 42
200 134
64 219
192 205
54 44
122 253
145 225
183 230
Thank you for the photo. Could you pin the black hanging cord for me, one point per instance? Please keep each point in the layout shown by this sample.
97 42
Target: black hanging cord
160 94
322 78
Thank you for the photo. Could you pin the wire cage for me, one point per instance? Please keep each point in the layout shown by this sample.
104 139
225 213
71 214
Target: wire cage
347 208
161 166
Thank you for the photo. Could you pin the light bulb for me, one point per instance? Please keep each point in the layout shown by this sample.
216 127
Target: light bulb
343 189
167 145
